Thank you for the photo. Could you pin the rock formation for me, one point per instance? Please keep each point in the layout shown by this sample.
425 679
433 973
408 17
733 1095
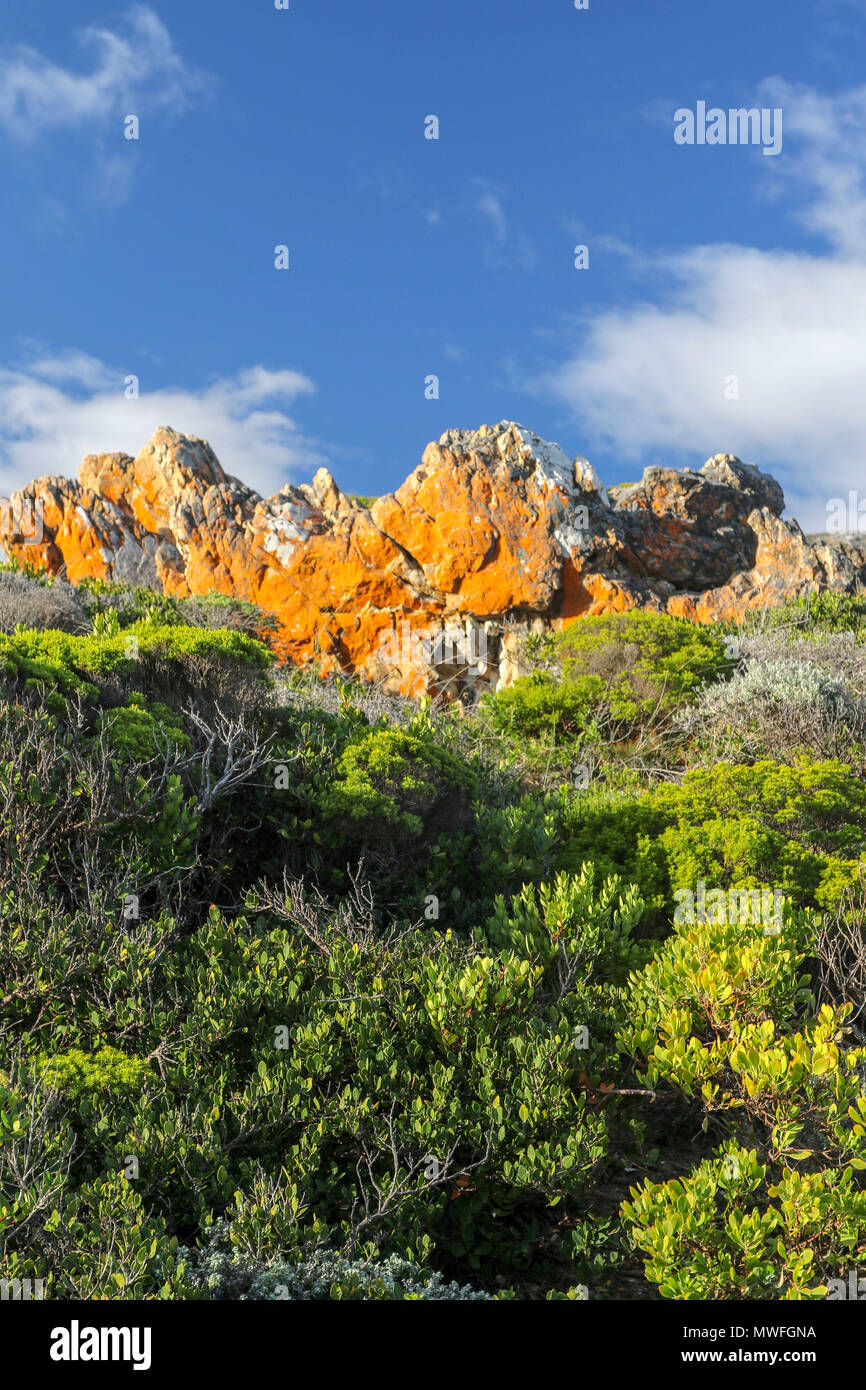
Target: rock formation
496 533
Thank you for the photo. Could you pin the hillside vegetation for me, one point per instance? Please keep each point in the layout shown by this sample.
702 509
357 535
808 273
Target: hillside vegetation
307 992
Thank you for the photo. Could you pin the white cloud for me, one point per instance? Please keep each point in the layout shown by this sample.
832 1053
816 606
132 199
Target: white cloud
649 380
827 165
130 73
54 410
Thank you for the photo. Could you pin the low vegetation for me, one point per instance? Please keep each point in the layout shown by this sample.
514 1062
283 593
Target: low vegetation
313 993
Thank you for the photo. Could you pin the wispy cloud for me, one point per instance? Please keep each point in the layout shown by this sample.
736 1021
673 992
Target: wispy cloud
129 72
656 379
826 163
506 246
55 409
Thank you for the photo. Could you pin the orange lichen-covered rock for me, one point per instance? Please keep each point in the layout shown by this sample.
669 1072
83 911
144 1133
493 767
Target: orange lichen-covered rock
496 532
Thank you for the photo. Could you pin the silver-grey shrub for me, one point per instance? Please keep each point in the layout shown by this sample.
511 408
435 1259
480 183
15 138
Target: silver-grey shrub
32 604
840 655
222 1275
777 682
778 708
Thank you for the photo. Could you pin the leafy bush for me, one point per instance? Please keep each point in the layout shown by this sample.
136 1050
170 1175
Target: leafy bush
799 828
30 569
725 1012
536 705
624 669
579 934
812 614
361 1004
390 780
715 1235
647 658
128 604
56 665
139 731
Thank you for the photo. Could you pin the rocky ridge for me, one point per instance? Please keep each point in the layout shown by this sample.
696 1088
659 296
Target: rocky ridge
496 533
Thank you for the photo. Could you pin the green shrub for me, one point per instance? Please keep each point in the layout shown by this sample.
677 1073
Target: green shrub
109 1247
815 613
128 604
578 933
800 828
723 1011
626 670
108 1071
394 779
517 843
450 1059
29 570
55 661
537 705
140 732
647 659
724 1233
419 1030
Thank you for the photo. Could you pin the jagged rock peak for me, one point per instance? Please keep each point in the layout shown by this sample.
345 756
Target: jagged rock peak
496 531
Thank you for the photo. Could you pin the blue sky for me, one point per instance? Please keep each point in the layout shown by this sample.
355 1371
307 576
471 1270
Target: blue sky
452 257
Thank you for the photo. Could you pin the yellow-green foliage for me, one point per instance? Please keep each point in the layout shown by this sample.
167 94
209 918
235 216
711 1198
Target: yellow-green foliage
628 667
800 828
713 1234
142 731
723 1011
645 657
107 1072
58 661
394 777
811 615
